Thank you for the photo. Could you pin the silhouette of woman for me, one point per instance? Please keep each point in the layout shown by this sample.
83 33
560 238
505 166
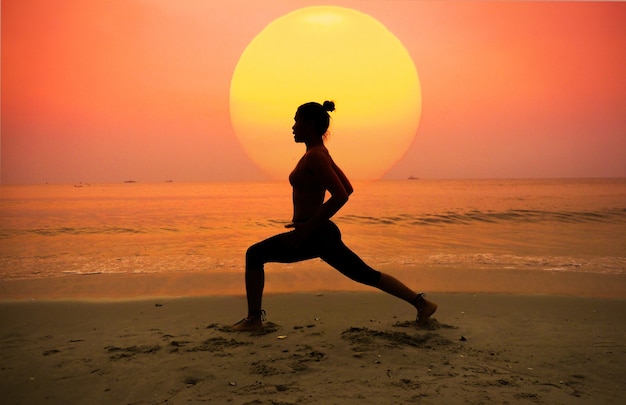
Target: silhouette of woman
314 234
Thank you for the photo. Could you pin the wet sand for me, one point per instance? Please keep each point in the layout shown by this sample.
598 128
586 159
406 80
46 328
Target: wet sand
312 276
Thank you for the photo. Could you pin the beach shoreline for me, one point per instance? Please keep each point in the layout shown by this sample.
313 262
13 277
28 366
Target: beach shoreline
320 278
323 347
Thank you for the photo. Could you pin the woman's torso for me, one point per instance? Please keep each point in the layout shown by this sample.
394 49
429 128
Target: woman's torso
308 192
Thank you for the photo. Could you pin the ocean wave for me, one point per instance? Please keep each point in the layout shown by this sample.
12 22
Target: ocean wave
570 264
78 231
617 215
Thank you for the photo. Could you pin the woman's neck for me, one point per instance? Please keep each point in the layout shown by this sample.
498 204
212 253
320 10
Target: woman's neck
311 145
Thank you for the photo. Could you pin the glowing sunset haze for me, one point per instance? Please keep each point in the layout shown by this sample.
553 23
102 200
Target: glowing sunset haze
102 92
372 80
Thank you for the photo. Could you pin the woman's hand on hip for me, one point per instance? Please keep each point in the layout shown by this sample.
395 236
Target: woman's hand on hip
301 231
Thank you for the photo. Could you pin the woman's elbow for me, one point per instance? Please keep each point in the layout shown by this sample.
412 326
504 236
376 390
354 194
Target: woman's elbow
341 198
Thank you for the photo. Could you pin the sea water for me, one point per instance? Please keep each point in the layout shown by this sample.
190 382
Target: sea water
530 225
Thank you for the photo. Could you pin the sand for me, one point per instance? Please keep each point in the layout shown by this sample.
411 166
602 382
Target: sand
318 348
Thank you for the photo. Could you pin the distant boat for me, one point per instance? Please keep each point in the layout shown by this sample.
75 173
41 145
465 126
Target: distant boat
413 178
130 181
169 181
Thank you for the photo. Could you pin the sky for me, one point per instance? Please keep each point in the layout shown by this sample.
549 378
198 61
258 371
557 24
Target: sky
108 91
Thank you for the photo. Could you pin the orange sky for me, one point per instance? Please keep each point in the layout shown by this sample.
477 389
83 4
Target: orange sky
105 91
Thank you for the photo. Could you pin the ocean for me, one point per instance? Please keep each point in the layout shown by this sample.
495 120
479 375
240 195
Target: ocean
564 225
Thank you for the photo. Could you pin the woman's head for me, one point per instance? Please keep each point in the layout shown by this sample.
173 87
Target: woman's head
317 115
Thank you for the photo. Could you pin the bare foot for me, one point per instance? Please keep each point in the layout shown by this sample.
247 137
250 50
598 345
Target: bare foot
253 322
247 325
425 309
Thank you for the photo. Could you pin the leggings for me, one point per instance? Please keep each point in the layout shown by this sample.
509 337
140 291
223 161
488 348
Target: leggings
325 242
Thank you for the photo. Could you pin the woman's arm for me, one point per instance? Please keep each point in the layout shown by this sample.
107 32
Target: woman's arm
343 178
332 179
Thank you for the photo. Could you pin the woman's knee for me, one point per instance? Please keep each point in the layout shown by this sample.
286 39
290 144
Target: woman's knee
352 266
360 272
254 260
368 277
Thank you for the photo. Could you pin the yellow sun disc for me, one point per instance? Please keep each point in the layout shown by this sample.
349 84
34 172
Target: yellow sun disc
326 53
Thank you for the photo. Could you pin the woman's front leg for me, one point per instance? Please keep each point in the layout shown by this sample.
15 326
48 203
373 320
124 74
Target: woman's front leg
255 283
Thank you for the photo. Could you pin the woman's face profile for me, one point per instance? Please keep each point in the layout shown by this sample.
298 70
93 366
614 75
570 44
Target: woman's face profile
301 128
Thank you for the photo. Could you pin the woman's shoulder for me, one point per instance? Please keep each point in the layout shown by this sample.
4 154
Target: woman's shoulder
318 152
318 157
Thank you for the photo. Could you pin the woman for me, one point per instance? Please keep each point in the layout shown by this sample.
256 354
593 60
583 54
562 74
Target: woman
313 234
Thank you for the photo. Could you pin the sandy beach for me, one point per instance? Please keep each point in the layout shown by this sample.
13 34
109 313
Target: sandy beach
324 347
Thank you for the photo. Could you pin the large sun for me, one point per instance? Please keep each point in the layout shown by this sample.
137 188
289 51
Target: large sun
326 53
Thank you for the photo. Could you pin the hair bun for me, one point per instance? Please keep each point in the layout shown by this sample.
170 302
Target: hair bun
329 106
